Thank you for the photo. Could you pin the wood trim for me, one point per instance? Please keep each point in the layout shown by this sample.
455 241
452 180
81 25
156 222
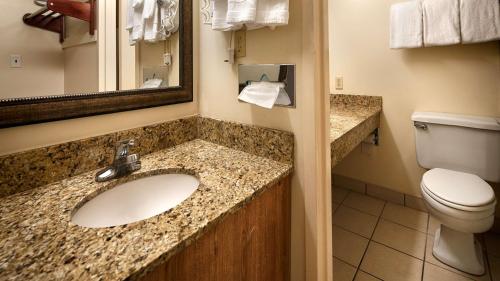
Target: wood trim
24 111
252 244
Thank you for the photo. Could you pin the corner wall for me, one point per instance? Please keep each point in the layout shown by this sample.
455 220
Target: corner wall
457 79
292 44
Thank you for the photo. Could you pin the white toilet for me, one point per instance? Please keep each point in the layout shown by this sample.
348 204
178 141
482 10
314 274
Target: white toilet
462 152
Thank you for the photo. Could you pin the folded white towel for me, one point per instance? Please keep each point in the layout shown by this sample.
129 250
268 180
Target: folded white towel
406 25
241 11
263 94
151 17
219 14
272 12
480 20
135 22
441 22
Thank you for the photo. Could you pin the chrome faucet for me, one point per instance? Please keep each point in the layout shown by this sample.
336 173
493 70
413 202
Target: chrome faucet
122 165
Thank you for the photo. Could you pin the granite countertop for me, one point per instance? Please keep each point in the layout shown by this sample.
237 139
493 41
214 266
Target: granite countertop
39 242
352 119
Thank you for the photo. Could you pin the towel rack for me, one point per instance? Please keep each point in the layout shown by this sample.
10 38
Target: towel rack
51 16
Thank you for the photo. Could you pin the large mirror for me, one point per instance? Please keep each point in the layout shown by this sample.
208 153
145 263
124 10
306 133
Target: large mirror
71 58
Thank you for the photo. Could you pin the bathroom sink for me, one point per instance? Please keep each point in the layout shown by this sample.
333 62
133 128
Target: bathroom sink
136 200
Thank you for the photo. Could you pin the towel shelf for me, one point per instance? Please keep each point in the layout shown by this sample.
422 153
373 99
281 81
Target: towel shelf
51 17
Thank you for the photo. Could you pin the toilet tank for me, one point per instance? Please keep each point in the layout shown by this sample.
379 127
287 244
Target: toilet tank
463 143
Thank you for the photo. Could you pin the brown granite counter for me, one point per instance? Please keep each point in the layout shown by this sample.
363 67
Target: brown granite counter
38 241
352 119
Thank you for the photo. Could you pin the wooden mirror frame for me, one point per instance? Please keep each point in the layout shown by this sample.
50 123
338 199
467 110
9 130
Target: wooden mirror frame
31 110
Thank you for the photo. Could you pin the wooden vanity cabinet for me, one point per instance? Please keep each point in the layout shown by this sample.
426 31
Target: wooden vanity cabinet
252 244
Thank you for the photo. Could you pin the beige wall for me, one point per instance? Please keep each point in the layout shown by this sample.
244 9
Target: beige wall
81 69
458 79
292 44
43 60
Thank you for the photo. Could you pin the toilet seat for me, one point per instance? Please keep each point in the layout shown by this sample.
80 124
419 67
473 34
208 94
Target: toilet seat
461 191
444 209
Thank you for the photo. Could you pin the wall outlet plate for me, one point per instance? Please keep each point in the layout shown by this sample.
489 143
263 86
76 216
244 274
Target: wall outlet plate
16 61
339 83
241 43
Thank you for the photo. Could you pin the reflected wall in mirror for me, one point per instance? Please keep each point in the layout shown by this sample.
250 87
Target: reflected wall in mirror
62 47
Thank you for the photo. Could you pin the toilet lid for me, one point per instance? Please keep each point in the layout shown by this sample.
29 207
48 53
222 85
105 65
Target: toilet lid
458 188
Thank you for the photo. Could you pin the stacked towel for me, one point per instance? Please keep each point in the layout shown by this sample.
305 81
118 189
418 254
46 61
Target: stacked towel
219 14
240 12
406 25
135 21
233 14
480 20
441 22
151 20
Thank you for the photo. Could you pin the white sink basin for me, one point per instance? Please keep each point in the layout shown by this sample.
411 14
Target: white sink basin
136 200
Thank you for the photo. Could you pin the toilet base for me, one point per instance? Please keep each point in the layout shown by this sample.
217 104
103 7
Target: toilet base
459 250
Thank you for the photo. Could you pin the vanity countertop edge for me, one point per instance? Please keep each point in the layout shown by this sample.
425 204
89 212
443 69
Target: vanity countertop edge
352 119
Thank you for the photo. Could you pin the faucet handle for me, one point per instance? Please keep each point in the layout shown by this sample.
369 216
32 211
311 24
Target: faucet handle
123 147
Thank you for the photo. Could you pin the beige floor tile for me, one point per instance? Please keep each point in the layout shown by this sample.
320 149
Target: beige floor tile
434 224
431 259
348 247
406 216
436 273
364 203
495 267
339 194
492 243
362 276
401 238
342 271
355 221
388 264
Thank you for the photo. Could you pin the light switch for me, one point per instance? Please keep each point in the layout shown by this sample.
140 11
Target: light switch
339 83
16 61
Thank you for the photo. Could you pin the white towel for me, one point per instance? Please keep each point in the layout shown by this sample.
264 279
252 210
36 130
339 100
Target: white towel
406 25
135 21
441 22
151 17
480 20
272 12
263 94
130 15
219 13
169 14
241 11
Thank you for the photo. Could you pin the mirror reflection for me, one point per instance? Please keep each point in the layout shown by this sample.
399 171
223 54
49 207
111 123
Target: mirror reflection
57 47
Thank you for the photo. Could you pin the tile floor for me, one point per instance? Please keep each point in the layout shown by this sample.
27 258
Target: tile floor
378 240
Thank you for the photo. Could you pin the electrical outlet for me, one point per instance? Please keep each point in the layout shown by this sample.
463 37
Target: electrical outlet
241 43
16 61
339 83
167 59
